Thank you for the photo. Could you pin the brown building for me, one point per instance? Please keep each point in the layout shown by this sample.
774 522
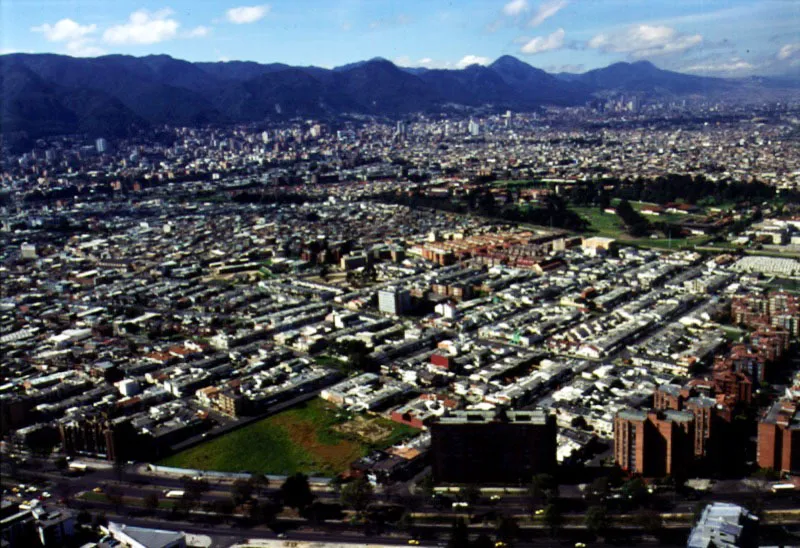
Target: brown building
498 448
710 416
654 443
779 437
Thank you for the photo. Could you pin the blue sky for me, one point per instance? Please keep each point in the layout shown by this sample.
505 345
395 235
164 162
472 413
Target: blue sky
716 37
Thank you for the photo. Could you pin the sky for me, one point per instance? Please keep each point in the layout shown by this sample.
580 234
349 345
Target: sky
712 37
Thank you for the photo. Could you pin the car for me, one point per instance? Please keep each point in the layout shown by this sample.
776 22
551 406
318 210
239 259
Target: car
46 495
413 542
281 535
500 544
97 490
495 498
539 512
580 545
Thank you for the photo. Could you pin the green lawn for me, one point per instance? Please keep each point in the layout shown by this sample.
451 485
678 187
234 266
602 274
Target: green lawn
604 224
302 439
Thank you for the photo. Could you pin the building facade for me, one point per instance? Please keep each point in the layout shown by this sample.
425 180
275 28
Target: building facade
485 447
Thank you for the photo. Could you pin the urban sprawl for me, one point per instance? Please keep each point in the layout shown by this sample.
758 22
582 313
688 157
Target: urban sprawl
477 309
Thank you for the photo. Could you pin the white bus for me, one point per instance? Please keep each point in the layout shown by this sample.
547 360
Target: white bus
174 494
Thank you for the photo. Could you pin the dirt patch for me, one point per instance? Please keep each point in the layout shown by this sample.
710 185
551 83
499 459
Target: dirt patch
365 429
335 456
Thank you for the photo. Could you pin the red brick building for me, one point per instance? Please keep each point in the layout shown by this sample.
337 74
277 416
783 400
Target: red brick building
654 443
779 437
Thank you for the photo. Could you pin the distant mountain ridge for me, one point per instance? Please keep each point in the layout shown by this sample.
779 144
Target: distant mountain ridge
46 94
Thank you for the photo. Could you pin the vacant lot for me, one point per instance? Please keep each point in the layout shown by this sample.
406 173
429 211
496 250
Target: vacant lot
315 438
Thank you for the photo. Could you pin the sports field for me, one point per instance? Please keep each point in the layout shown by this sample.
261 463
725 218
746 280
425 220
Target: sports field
315 438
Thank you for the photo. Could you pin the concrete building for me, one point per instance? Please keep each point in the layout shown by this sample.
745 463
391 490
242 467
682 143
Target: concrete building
496 448
394 301
142 537
724 524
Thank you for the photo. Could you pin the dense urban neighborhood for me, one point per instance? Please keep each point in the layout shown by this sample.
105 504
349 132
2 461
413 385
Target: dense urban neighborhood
574 326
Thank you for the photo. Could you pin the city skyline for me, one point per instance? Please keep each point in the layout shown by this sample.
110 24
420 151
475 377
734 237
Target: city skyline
711 38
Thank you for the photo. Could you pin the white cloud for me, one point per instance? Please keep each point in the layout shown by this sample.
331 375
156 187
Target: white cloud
541 44
547 10
641 41
468 60
402 61
144 27
788 51
198 32
64 30
732 65
76 37
247 14
515 7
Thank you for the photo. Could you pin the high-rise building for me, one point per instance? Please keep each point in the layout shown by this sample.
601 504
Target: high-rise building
779 437
101 145
393 300
654 443
488 447
474 128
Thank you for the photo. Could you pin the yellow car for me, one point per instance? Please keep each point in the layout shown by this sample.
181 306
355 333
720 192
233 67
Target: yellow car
500 544
97 490
580 545
539 512
413 542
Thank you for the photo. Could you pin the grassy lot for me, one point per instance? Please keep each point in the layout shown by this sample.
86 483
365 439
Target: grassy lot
315 438
604 224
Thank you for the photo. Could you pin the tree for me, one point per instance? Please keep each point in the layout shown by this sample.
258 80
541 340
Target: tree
483 541
636 491
194 487
114 496
241 491
60 463
650 521
260 483
459 534
357 494
553 518
543 488
598 490
470 493
426 485
506 529
596 519
296 492
222 507
151 501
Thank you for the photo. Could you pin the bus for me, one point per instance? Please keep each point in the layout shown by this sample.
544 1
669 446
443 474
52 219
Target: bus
174 494
78 467
782 487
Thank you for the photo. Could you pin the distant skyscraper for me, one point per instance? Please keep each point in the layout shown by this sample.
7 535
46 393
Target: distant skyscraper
474 128
101 145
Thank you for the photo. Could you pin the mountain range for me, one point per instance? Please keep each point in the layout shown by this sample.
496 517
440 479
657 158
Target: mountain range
47 94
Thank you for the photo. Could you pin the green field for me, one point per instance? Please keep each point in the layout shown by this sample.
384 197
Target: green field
315 438
604 224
